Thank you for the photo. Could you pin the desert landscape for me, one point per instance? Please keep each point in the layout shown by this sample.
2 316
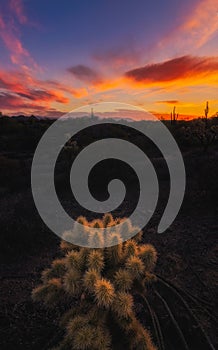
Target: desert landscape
182 298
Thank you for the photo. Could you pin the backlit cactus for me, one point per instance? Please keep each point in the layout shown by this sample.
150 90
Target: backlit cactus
98 288
104 293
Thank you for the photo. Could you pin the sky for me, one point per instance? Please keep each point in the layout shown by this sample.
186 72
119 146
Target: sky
59 55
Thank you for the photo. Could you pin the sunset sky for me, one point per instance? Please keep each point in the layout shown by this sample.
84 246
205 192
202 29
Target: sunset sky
57 55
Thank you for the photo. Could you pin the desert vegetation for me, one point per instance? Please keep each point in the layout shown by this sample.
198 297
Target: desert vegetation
97 292
177 308
97 287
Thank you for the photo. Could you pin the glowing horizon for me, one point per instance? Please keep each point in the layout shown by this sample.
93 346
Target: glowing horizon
155 56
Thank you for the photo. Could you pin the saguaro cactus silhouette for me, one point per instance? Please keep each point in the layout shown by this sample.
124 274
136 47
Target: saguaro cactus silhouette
97 288
174 116
206 111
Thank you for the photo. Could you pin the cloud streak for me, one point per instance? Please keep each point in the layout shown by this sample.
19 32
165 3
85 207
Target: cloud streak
10 34
17 8
202 23
21 89
199 26
12 103
85 74
184 67
127 55
17 52
169 102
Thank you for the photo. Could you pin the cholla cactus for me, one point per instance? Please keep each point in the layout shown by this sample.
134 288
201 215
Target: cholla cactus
101 284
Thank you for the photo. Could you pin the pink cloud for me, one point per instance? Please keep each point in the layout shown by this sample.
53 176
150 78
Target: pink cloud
17 8
10 35
15 105
22 90
202 23
199 26
12 43
127 55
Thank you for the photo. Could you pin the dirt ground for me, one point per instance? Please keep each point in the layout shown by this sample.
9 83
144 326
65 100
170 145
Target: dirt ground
187 257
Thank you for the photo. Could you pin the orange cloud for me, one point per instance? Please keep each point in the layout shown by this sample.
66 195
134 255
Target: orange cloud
21 90
78 92
17 82
186 67
44 96
11 103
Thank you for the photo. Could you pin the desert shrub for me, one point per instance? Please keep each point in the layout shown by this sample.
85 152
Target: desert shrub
204 132
96 290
